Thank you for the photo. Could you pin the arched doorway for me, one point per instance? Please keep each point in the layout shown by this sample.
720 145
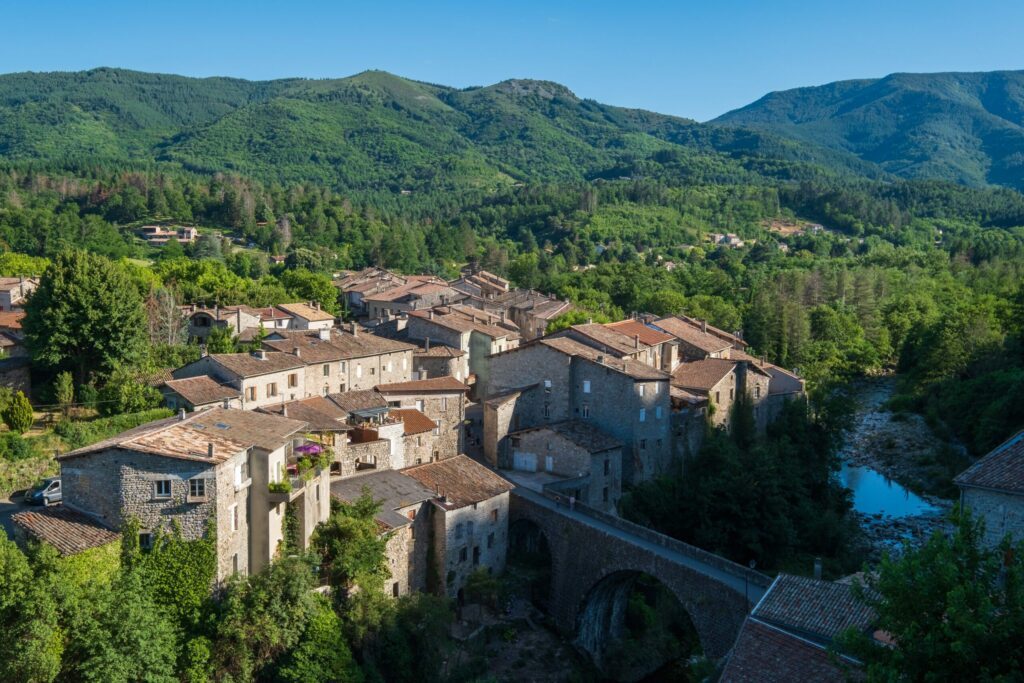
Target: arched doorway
631 625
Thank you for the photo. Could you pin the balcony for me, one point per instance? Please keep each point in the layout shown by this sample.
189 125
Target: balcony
306 461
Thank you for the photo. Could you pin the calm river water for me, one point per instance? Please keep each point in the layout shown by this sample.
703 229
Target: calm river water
874 494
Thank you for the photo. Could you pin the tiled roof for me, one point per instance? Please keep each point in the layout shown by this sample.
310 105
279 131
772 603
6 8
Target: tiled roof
341 346
415 422
11 320
648 335
460 480
633 368
306 312
1001 469
584 434
718 332
550 309
444 384
202 390
610 340
227 431
815 609
319 412
463 322
702 374
250 365
393 489
356 401
766 654
366 344
439 351
692 334
8 284
67 530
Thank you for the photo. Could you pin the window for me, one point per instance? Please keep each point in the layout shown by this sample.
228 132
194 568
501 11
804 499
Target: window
757 392
197 488
586 411
241 473
394 589
490 540
387 368
163 489
251 393
234 563
359 370
234 518
419 404
657 413
494 516
547 410
730 394
405 363
444 403
718 397
327 370
604 494
656 387
145 540
272 390
643 415
318 493
640 390
411 514
458 530
643 444
373 371
463 554
476 556
342 366
437 427
293 380
586 386
419 441
607 466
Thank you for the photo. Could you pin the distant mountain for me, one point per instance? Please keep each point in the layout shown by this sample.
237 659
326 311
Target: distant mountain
965 127
376 131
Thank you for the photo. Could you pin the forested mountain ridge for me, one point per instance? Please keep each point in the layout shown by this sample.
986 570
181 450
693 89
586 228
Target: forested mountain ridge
964 127
375 130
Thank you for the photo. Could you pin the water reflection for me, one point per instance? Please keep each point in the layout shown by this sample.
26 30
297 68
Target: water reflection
873 494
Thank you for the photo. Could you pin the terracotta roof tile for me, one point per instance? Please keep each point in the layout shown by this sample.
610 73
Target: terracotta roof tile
633 368
702 375
819 610
67 530
11 320
305 311
648 335
692 334
766 654
356 401
584 434
250 365
202 390
443 384
319 412
460 480
1002 469
415 422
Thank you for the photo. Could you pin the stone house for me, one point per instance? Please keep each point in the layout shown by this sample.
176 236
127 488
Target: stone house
208 470
993 489
443 401
12 339
308 316
558 378
237 319
338 361
630 339
476 337
421 436
439 360
14 291
469 519
415 295
532 312
572 458
694 340
198 393
326 424
263 377
481 284
356 287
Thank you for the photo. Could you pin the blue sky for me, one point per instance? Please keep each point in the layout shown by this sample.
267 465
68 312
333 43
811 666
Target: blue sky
695 59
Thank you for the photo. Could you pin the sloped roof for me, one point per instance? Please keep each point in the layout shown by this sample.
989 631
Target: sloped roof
8 284
584 434
439 351
692 334
249 365
447 384
1002 469
461 480
67 530
11 319
358 401
648 335
318 412
819 610
627 366
766 654
394 489
415 422
702 374
611 340
202 390
305 311
228 431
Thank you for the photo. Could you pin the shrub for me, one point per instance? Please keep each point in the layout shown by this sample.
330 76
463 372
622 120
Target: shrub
13 447
124 392
18 414
78 434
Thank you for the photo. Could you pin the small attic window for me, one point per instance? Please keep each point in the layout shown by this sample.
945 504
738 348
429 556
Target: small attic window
221 425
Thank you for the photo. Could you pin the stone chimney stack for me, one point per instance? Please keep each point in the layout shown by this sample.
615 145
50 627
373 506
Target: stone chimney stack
325 335
430 315
297 352
355 329
704 326
636 341
181 415
817 568
426 344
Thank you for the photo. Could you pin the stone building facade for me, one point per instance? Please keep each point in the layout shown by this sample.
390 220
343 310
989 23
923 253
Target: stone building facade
993 489
443 401
263 378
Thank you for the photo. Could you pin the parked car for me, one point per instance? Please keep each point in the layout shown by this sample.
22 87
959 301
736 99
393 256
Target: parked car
46 493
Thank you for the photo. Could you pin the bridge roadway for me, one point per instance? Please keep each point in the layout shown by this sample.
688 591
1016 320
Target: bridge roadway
746 582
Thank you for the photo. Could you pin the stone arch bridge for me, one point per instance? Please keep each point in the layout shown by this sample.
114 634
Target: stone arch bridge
595 557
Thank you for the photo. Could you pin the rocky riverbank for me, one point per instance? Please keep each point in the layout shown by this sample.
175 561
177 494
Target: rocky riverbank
903 449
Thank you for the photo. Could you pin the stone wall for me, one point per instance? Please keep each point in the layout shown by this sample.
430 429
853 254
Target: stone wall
470 538
441 366
1003 513
422 328
448 408
377 451
407 552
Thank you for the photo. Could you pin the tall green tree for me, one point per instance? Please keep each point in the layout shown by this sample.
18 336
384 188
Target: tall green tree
17 414
86 316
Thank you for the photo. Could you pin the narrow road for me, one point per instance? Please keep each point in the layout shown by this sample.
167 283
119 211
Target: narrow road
734 580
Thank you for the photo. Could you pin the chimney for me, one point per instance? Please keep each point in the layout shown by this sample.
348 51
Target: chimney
426 344
238 321
259 354
181 415
209 450
297 352
430 315
317 305
216 311
355 329
284 410
704 326
325 335
590 321
817 568
636 341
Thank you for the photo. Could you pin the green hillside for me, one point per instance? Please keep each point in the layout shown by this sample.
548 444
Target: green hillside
964 127
376 131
